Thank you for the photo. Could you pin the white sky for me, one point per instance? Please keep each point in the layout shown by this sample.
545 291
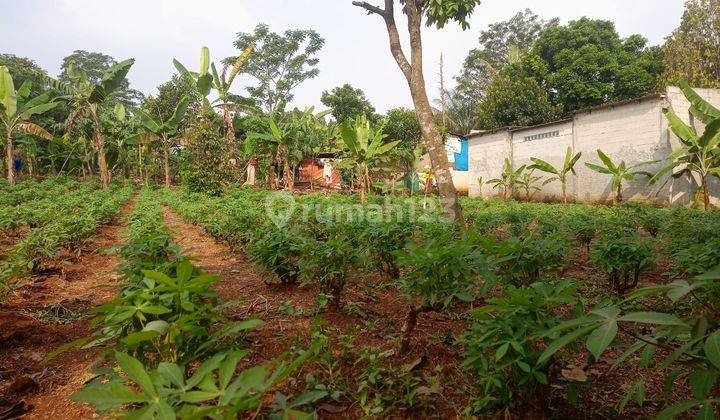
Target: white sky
356 52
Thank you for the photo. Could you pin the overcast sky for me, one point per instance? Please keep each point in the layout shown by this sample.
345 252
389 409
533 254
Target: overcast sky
356 52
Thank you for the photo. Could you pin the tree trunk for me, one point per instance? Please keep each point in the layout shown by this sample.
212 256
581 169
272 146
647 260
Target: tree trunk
166 164
100 141
10 160
619 197
706 193
413 73
363 184
564 192
230 138
409 326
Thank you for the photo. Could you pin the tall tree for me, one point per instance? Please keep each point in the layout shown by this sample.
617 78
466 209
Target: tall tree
16 108
95 65
280 62
86 98
516 101
23 69
169 96
692 52
402 124
436 13
346 102
498 44
586 63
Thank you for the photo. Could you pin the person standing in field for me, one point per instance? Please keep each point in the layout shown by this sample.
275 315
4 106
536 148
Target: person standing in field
252 165
328 172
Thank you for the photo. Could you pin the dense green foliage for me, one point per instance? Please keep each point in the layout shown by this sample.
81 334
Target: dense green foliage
517 250
347 102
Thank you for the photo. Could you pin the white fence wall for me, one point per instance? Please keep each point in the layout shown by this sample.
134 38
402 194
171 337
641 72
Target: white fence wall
486 155
633 131
526 144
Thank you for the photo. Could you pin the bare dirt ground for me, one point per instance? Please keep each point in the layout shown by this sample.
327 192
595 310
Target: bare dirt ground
47 312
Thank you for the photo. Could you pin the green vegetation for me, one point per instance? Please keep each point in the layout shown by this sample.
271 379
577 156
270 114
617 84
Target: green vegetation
523 309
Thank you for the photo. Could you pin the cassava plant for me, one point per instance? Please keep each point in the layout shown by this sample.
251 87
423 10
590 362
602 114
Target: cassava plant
689 342
438 273
623 258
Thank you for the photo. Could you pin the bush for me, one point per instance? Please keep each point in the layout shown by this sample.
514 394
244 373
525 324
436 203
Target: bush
278 251
623 259
439 272
328 261
503 349
522 259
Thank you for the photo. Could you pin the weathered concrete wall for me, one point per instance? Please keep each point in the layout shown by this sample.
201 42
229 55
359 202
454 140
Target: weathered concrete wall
633 131
486 156
549 143
681 190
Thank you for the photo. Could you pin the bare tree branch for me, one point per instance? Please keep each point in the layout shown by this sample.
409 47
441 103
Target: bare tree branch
370 8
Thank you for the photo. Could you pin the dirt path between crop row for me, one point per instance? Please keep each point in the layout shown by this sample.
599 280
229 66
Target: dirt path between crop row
242 283
289 315
47 312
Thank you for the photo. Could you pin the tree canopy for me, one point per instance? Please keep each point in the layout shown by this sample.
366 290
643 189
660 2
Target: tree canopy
585 63
279 63
347 102
692 52
94 65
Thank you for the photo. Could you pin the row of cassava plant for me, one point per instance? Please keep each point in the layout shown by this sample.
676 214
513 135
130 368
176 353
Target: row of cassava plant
65 231
56 200
176 354
518 249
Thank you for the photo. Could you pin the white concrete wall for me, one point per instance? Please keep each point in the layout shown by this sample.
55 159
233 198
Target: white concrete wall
551 150
485 159
633 133
681 190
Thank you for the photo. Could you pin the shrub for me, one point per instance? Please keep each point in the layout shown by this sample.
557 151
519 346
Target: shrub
522 259
503 345
623 259
278 251
329 261
382 241
439 272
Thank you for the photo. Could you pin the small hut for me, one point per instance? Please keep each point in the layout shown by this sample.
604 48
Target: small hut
311 169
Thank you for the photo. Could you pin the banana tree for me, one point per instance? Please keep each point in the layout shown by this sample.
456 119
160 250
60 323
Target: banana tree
365 147
164 131
528 182
290 137
508 180
15 112
620 172
560 174
699 156
87 98
208 78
